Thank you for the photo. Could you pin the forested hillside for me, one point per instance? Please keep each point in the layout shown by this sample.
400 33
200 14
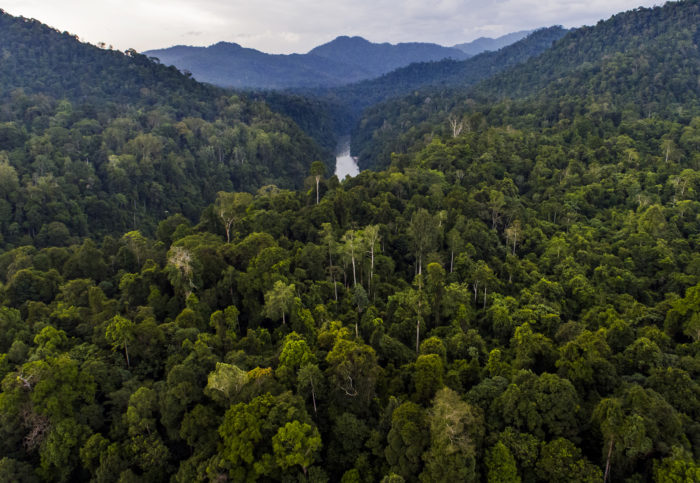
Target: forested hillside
41 60
641 63
638 64
515 298
505 302
355 98
96 142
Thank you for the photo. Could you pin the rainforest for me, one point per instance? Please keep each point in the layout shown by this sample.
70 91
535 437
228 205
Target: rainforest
509 290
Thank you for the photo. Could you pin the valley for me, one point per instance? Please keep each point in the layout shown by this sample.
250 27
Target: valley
483 268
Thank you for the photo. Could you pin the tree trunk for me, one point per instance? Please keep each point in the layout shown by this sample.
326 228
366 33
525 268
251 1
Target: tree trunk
354 276
417 334
126 353
330 268
607 463
371 271
313 395
317 180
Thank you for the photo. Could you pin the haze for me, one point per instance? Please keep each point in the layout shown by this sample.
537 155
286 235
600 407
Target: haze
279 26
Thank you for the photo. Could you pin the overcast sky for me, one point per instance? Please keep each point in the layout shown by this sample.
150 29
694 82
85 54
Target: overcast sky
285 26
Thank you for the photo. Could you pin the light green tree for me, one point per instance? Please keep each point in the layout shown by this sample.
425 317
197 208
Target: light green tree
278 301
501 465
296 443
119 332
225 382
423 232
231 207
456 431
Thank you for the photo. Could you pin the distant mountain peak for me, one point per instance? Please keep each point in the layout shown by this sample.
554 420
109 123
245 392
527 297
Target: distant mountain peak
223 43
483 44
350 38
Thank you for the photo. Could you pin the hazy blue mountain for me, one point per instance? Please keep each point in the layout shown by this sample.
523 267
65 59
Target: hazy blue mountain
341 61
379 59
484 44
231 65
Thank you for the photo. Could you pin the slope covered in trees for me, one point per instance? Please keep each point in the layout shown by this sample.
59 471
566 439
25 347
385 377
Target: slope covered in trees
504 302
41 60
515 298
645 62
422 75
642 63
95 141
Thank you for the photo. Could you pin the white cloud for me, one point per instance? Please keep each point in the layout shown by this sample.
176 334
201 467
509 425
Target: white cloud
284 26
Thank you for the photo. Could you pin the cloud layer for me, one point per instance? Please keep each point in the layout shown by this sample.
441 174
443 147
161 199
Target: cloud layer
285 26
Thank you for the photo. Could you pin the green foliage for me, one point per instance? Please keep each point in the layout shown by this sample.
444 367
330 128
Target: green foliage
279 300
501 465
352 372
678 467
516 301
560 460
456 431
224 384
428 376
252 432
407 440
296 444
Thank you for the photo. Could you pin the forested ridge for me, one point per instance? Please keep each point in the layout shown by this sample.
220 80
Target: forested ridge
95 141
448 72
639 64
515 297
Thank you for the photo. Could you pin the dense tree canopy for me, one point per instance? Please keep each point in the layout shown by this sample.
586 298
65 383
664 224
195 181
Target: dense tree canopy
516 301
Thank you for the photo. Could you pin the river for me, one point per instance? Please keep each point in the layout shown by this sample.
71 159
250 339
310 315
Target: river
345 165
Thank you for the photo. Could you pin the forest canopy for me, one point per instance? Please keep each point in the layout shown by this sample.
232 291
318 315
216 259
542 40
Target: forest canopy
513 295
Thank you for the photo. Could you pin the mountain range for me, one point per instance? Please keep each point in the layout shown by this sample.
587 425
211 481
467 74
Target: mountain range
445 73
342 61
339 108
